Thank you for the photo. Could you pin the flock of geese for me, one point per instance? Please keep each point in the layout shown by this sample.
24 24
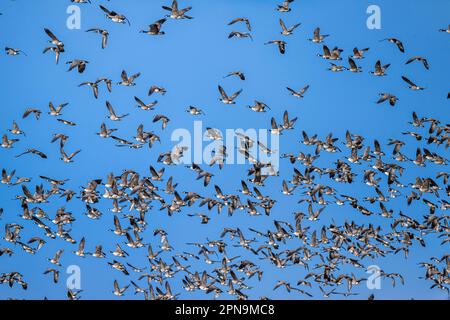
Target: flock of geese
329 258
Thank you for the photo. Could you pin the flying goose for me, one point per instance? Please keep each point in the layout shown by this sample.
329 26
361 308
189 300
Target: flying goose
247 22
239 35
36 112
420 59
353 66
114 16
379 69
336 68
359 54
298 94
155 89
228 99
8 143
288 31
79 64
67 158
284 7
112 115
56 111
259 106
119 291
13 52
317 37
15 129
445 30
397 42
103 33
164 120
33 151
57 257
154 29
175 13
387 97
144 106
128 81
411 84
281 45
194 111
334 54
239 74
54 40
54 272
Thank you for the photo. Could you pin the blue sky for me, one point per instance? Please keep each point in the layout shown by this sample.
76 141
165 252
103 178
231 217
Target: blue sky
190 61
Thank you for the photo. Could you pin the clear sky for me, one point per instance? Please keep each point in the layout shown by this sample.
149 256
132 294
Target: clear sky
190 60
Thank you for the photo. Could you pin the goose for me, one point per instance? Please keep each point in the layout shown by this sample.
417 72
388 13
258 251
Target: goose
114 16
335 68
387 97
359 54
287 31
55 41
353 66
194 111
93 85
56 111
6 178
154 29
103 33
334 54
119 266
164 120
281 45
245 20
397 42
239 74
14 52
119 291
175 13
411 84
33 151
67 122
379 69
228 99
298 94
35 112
56 258
274 127
55 274
8 143
420 59
16 130
239 35
68 158
98 253
144 106
112 115
286 190
317 37
445 30
155 89
80 251
259 106
284 7
79 64
128 81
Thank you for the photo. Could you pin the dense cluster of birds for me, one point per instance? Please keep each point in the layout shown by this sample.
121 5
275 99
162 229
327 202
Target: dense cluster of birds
330 255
